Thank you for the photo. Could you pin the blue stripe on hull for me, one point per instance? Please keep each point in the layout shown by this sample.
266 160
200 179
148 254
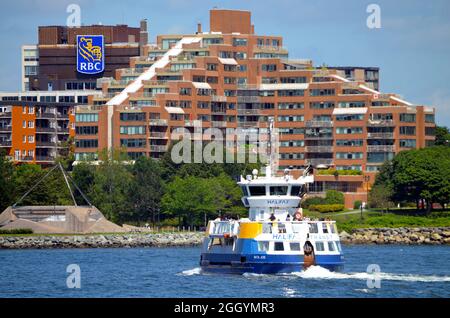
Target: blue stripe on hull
271 264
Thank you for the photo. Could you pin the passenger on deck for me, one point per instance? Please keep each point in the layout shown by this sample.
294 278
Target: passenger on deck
288 217
298 216
272 217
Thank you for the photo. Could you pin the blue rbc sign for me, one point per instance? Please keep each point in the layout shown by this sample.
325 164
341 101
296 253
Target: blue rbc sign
90 54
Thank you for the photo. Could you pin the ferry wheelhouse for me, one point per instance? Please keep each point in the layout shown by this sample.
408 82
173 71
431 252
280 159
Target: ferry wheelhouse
275 238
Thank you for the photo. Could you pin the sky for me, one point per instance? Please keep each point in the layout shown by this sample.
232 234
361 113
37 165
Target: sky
412 47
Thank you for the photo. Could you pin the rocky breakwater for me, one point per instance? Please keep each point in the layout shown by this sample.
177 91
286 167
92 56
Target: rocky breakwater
403 235
101 241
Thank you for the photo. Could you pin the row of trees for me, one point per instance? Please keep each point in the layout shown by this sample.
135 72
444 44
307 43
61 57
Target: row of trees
147 191
421 176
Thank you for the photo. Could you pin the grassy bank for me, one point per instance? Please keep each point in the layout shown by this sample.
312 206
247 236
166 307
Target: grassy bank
375 219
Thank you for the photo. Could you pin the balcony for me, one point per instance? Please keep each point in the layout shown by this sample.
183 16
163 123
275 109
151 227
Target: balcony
250 111
46 115
158 122
318 136
158 135
45 144
220 124
319 161
216 98
248 99
318 123
382 135
319 149
381 148
5 143
159 148
7 128
380 123
48 130
6 115
45 158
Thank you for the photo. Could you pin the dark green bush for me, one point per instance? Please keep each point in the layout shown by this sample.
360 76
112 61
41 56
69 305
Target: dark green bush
324 208
357 204
334 197
312 201
16 231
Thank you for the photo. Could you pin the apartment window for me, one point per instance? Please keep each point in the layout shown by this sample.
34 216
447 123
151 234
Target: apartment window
226 54
185 104
31 70
48 99
82 99
408 143
30 110
408 118
373 168
322 92
229 80
291 105
24 139
203 105
349 130
381 116
86 118
267 106
294 92
291 118
30 139
292 131
351 104
212 79
408 130
429 118
321 105
86 130
86 143
185 91
24 109
133 143
349 142
24 124
379 157
353 167
132 130
242 68
181 66
430 131
229 93
240 55
349 155
292 143
31 153
269 80
349 117
298 79
292 156
269 67
66 99
203 117
31 124
132 116
229 68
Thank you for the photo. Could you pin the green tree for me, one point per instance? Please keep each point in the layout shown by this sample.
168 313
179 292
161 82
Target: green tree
6 181
442 136
146 189
334 197
380 197
110 191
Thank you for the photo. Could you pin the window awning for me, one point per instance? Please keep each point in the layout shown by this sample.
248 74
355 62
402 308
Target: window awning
228 61
350 111
175 110
201 85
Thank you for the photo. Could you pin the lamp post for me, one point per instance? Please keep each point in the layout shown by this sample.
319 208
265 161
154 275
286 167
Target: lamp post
366 180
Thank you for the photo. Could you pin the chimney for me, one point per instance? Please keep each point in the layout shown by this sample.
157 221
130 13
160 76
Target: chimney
199 28
143 36
253 29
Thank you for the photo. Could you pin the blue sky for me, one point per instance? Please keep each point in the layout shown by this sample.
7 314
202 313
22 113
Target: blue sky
412 48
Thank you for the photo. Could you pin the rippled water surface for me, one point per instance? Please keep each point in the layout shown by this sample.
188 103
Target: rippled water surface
406 271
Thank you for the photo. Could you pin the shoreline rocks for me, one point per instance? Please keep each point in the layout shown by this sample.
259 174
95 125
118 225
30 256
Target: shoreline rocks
402 235
102 241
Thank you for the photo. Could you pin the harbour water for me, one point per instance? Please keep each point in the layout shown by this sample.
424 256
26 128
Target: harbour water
405 271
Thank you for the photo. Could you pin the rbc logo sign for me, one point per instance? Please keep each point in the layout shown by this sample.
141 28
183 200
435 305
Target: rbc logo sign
90 54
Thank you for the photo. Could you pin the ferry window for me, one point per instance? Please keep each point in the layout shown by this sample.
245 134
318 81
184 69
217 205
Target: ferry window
295 190
324 228
280 190
313 228
331 247
279 246
295 246
320 247
257 190
245 191
338 245
263 246
333 228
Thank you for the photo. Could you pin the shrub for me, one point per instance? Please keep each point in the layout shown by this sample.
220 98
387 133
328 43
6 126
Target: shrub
312 201
335 172
16 231
357 204
324 208
334 197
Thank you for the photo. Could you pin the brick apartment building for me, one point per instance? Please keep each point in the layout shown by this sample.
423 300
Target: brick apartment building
230 77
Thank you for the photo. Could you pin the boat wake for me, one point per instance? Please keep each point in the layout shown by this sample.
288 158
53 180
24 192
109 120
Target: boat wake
317 272
191 272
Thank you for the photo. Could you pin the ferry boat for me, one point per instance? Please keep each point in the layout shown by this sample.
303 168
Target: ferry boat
275 238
